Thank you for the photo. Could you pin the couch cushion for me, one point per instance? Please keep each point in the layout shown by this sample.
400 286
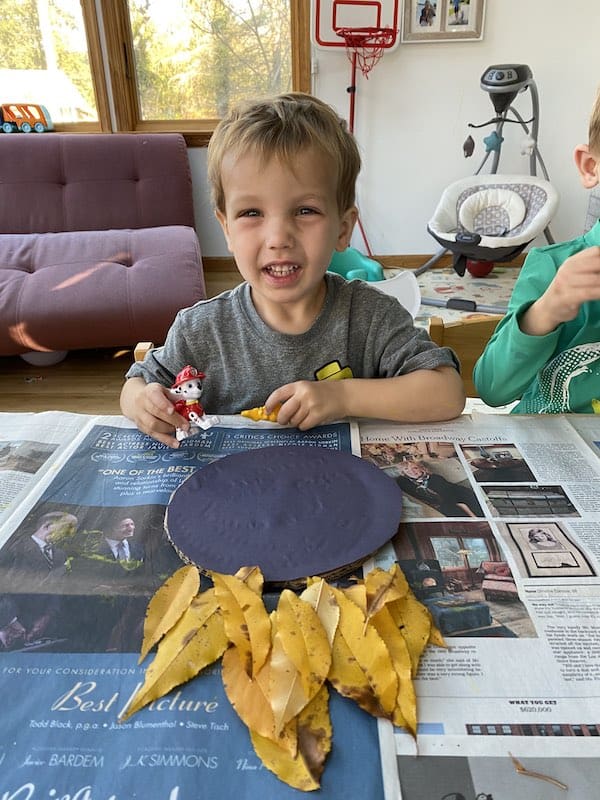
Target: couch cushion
95 288
92 182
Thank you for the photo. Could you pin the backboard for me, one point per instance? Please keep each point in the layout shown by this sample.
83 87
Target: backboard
329 16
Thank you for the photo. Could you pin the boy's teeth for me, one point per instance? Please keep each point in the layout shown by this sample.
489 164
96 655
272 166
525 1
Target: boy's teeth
283 270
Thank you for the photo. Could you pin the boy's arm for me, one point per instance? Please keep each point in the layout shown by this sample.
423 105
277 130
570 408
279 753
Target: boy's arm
425 395
510 361
149 406
543 299
577 281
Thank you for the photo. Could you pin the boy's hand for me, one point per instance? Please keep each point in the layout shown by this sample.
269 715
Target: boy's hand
150 407
305 404
577 281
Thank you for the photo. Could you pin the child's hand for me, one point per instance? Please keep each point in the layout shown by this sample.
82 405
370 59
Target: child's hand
305 404
150 407
577 281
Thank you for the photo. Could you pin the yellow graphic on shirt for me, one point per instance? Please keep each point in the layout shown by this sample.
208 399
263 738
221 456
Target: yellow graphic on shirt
333 372
596 406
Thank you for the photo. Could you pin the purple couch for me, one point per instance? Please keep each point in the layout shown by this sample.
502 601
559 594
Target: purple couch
97 244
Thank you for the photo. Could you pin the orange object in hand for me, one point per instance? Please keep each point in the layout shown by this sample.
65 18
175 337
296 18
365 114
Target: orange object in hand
259 413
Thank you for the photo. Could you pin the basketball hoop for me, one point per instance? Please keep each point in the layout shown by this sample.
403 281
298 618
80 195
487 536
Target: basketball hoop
365 46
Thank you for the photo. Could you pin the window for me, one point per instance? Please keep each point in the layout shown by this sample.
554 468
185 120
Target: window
459 551
151 65
45 58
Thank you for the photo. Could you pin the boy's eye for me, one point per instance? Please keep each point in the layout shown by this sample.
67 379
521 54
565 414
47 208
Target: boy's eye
306 210
249 212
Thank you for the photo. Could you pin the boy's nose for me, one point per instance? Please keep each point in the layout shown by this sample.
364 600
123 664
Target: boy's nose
279 234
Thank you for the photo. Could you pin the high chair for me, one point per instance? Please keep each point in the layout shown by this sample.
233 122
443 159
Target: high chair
467 338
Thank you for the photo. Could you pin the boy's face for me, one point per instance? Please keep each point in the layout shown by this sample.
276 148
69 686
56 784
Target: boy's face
282 225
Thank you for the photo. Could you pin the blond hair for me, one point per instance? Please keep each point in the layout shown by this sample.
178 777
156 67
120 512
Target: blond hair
594 128
282 127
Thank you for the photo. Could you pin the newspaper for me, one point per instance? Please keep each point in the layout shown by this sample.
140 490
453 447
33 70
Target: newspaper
500 538
71 623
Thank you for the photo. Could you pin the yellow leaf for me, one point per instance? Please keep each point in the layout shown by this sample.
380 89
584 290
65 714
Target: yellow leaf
358 594
285 692
247 623
324 603
167 605
359 646
195 641
435 636
383 587
253 577
246 695
414 621
405 712
249 698
302 771
304 640
300 658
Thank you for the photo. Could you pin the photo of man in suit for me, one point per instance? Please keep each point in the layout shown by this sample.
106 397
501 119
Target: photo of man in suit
119 543
34 556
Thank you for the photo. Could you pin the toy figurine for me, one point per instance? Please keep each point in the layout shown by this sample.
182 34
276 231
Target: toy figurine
187 390
259 413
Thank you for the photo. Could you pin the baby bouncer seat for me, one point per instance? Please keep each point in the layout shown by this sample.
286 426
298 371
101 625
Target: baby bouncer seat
493 217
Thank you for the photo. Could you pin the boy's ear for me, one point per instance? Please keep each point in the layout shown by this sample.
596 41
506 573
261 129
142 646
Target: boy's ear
587 165
223 223
347 223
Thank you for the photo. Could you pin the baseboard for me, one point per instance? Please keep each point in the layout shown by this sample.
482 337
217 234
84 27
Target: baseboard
412 261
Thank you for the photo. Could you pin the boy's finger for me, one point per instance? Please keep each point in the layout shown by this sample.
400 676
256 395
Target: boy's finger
158 399
277 398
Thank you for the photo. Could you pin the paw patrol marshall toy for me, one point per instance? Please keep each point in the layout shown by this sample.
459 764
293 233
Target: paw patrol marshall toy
187 390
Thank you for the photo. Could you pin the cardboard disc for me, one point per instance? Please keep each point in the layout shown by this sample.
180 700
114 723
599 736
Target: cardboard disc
293 511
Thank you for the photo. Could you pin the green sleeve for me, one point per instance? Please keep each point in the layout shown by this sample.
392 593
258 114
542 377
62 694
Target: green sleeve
512 358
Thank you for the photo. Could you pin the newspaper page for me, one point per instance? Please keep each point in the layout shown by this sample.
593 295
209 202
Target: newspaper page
588 427
500 539
28 442
71 621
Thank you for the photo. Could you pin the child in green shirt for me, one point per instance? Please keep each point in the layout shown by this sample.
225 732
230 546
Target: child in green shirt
546 351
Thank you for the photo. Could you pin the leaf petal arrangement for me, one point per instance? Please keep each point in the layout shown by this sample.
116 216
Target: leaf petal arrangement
366 640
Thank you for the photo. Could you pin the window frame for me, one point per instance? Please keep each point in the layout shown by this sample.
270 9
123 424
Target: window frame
111 59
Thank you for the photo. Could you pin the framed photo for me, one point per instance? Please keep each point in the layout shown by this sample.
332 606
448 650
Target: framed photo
443 20
547 551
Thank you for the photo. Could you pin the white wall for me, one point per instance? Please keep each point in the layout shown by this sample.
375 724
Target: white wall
412 115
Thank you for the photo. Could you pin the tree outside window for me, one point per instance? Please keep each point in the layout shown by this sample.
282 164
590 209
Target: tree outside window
167 64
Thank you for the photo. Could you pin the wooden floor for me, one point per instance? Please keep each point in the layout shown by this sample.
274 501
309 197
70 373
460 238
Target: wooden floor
87 381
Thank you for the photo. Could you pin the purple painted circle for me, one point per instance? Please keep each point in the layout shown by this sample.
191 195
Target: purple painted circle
293 511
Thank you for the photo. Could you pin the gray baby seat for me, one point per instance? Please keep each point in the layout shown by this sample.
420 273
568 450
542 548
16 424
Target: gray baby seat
492 217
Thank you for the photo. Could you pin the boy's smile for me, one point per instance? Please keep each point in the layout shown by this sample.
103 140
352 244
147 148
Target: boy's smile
282 225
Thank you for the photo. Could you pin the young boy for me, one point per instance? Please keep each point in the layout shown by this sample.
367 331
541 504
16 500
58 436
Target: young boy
283 173
546 350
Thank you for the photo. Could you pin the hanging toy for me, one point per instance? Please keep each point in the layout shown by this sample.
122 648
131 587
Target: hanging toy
468 146
493 142
187 391
528 145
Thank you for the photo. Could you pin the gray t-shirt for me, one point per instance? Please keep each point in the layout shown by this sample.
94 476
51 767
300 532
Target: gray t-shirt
245 360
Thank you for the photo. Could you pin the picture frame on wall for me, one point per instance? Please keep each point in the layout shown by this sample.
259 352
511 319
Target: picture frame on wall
443 20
